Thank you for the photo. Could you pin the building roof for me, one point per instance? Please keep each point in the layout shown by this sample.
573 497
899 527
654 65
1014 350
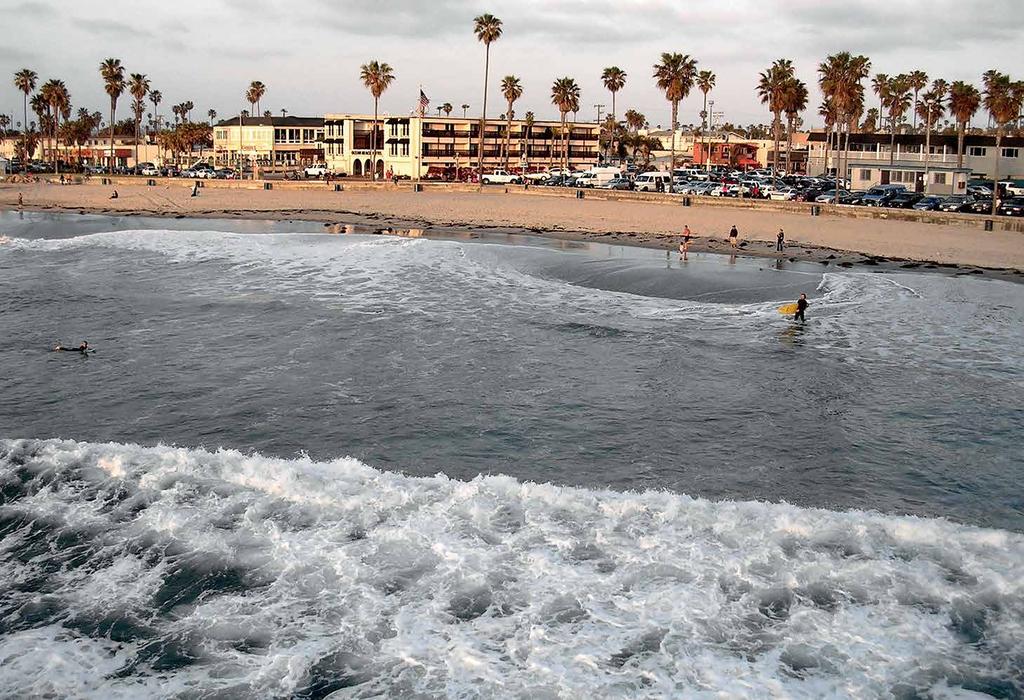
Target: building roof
919 139
274 121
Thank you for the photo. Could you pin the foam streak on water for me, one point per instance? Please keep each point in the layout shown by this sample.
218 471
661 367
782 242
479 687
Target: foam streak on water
128 571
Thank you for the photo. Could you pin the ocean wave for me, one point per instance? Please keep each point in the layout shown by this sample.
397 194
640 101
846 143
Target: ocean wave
165 571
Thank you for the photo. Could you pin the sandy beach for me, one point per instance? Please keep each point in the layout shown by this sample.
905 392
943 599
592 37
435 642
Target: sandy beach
825 238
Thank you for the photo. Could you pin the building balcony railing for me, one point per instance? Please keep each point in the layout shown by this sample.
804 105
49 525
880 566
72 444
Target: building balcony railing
897 157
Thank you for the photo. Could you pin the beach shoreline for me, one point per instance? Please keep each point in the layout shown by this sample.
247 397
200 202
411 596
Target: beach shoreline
844 243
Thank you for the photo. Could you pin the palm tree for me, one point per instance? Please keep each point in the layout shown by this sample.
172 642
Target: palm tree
528 121
447 109
212 114
840 78
674 76
565 94
1003 100
376 77
58 101
267 114
918 80
880 83
138 87
113 83
25 80
614 79
897 101
257 90
705 83
464 108
487 28
794 102
930 109
635 120
964 100
511 90
772 90
156 97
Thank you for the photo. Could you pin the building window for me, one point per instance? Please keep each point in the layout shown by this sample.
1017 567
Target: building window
405 148
977 151
940 178
1010 152
865 174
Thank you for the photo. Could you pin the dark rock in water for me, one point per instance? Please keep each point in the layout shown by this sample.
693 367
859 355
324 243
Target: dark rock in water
846 263
791 259
910 265
470 604
649 642
869 261
743 244
775 603
830 257
823 262
341 669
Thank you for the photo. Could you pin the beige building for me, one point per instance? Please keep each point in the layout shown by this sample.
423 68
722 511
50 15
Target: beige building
272 142
446 147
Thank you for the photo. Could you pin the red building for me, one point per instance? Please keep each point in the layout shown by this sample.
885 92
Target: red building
735 154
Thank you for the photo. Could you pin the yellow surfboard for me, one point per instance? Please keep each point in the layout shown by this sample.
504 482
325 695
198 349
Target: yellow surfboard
788 309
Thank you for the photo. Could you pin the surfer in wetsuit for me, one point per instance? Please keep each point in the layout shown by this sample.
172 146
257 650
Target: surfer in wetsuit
801 305
82 348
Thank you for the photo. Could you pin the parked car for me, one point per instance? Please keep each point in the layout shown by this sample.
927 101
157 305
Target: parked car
785 194
854 197
653 181
149 169
225 174
829 196
319 170
905 200
958 202
980 205
170 171
881 195
1011 206
929 203
618 183
500 177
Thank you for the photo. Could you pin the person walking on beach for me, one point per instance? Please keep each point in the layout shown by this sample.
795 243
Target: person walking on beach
684 246
21 200
780 241
734 236
195 188
801 306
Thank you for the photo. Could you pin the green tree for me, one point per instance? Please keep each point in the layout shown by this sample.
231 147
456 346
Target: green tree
614 79
565 94
964 100
377 78
511 90
772 90
138 88
1003 100
25 80
112 73
917 80
675 75
487 28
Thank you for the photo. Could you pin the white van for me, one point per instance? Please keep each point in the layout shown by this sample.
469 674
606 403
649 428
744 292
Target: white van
597 177
653 181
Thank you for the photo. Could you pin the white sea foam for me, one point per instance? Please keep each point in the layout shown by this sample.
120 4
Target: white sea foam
161 571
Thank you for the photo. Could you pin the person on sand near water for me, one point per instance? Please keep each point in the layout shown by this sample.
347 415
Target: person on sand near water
780 241
801 306
684 245
114 195
21 200
734 236
195 188
82 348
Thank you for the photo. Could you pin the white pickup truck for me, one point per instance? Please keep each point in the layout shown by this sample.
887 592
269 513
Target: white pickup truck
316 171
500 177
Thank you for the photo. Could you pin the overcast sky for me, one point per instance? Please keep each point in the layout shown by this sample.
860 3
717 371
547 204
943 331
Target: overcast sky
308 52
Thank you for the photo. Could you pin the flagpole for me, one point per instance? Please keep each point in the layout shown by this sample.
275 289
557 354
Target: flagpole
419 134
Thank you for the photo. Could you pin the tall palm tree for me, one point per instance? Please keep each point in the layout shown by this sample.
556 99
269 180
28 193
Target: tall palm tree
112 73
186 113
447 109
528 121
794 102
464 109
827 111
138 87
156 97
376 77
931 109
880 84
918 80
25 80
487 28
565 94
705 83
511 90
772 89
59 101
964 100
1003 100
614 79
257 90
897 101
212 114
674 76
840 77
635 121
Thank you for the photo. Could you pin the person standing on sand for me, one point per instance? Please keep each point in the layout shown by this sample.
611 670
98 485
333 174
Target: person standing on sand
21 200
780 241
801 306
684 246
195 188
734 236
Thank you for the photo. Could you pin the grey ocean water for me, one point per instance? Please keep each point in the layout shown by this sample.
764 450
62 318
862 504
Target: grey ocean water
485 465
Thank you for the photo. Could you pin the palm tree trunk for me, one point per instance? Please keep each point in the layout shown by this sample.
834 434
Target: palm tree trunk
776 125
960 145
995 175
927 148
137 118
24 138
56 144
672 126
611 139
483 119
789 145
508 134
110 163
373 143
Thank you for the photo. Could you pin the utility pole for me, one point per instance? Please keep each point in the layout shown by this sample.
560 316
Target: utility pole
599 109
711 127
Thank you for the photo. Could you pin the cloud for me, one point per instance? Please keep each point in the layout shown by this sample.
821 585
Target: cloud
111 28
30 9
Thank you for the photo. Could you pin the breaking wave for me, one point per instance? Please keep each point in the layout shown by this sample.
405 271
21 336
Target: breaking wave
128 571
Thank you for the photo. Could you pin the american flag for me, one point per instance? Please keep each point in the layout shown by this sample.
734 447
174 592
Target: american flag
424 102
